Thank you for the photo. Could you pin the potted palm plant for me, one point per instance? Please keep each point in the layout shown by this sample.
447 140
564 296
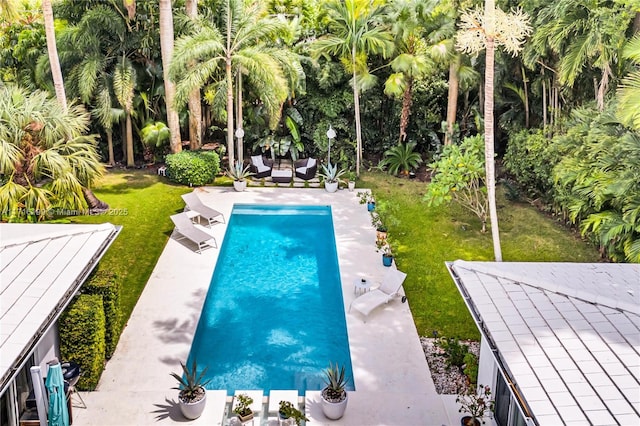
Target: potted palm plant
239 173
477 403
243 408
193 396
288 411
331 176
334 395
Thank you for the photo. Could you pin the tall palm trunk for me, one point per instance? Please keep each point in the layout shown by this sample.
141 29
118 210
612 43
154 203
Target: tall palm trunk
195 102
52 50
166 48
356 106
112 160
488 127
129 130
240 146
407 101
452 99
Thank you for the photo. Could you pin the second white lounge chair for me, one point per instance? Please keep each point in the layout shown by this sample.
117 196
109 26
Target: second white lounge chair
389 289
194 204
188 230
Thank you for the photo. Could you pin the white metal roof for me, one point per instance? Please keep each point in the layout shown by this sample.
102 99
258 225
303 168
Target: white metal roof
41 268
568 334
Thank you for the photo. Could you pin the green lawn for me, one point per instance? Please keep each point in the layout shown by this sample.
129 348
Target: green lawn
146 201
428 237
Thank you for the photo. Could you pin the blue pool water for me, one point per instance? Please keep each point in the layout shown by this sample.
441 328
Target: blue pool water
274 317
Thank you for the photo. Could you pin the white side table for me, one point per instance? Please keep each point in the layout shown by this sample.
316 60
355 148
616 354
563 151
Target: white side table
361 285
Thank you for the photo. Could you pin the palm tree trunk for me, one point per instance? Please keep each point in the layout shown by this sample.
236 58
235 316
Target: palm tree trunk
239 117
526 97
356 106
112 160
95 204
195 101
407 101
129 130
452 99
52 50
488 127
166 48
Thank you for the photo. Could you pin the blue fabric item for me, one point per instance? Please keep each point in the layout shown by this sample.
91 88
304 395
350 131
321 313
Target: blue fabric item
58 414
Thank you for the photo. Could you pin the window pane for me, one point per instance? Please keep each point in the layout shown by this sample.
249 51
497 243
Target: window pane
502 398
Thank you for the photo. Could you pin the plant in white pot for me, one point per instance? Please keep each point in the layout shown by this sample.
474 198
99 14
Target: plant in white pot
192 396
334 395
239 173
331 176
477 403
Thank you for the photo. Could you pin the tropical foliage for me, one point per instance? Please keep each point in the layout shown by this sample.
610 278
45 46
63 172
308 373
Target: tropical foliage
402 158
459 177
47 161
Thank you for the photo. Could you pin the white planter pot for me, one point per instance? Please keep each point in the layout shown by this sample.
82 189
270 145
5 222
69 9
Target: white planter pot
193 410
331 186
352 185
239 185
334 410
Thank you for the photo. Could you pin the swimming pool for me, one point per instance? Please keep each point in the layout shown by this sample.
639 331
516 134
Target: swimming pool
274 317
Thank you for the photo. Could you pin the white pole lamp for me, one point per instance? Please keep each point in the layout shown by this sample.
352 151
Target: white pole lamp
239 136
330 134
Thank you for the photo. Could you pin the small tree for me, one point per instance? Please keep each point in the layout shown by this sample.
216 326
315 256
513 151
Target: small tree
459 177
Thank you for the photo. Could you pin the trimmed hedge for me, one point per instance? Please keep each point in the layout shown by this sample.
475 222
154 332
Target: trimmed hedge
107 285
193 167
82 337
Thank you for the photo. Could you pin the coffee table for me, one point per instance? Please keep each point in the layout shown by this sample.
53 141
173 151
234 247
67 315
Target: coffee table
281 176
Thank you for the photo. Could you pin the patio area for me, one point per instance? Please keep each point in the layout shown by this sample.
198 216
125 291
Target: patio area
393 384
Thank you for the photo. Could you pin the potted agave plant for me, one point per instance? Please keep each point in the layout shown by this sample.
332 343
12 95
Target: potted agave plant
477 403
287 412
334 395
243 408
239 173
192 396
331 176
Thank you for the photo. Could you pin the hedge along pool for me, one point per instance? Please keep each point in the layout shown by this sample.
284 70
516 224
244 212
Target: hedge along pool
274 317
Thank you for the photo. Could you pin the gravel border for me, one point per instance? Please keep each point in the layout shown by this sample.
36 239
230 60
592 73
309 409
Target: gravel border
447 380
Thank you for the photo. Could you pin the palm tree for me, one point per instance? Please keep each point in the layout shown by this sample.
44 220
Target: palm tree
54 61
486 30
195 100
166 47
629 90
45 160
587 37
355 32
248 45
412 62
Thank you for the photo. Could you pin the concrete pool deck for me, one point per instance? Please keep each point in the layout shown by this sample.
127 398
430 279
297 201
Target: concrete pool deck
392 379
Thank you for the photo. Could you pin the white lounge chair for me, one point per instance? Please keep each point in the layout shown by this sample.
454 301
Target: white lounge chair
194 204
389 289
188 230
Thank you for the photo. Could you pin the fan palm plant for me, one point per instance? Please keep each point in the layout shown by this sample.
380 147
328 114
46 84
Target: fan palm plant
45 160
402 158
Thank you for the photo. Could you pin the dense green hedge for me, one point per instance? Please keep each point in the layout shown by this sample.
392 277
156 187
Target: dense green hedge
530 158
193 167
82 337
107 285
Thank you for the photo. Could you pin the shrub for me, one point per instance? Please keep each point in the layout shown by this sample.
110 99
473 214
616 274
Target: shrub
82 327
454 351
107 285
193 167
530 160
471 367
402 158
